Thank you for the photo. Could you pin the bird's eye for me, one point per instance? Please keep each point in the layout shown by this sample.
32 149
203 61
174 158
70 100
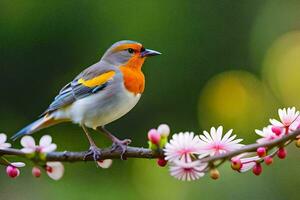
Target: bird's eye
130 50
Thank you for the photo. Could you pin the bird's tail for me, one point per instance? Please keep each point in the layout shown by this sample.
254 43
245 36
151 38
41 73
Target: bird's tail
39 124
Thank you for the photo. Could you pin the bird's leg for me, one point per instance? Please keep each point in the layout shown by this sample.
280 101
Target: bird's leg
117 143
93 150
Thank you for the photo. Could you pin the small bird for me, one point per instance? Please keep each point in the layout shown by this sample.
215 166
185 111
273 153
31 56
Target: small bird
99 95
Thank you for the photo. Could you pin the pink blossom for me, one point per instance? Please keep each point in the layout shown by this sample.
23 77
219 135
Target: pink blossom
3 143
267 135
55 170
187 171
288 119
213 144
45 144
181 153
182 145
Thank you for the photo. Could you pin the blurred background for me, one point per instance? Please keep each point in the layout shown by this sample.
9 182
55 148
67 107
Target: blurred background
231 63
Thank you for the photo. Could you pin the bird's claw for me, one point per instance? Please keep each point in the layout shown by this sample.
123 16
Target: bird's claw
122 145
93 151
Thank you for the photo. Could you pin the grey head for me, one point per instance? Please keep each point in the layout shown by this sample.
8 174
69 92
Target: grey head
121 52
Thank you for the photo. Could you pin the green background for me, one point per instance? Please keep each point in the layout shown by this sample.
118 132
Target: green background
231 63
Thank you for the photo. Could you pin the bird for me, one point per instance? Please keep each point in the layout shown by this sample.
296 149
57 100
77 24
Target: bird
99 95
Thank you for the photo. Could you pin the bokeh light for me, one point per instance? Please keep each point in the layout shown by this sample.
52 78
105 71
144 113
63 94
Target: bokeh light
236 99
273 19
281 68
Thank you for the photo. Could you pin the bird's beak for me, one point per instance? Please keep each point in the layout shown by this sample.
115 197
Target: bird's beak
149 52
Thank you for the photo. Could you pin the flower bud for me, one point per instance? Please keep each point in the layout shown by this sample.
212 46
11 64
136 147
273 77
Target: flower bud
36 172
261 151
49 169
257 169
162 162
297 143
276 130
281 153
12 171
268 160
163 130
214 174
236 164
154 136
152 146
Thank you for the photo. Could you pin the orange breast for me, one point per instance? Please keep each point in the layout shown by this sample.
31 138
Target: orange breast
134 79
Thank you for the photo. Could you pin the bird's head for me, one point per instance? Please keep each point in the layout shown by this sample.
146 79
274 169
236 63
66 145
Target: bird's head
128 53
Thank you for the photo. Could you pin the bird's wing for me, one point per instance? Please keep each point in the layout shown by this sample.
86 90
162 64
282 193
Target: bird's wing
90 81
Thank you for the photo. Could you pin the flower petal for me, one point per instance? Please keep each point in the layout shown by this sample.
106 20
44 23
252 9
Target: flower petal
105 163
57 170
187 171
181 144
212 143
227 135
50 148
207 135
45 141
260 133
5 145
247 166
28 141
18 164
28 150
3 138
295 125
276 123
163 130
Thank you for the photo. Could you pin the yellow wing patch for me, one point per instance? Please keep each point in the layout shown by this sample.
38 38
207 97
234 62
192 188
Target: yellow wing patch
98 80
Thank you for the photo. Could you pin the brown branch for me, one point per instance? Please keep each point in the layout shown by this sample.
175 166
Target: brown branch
107 153
135 152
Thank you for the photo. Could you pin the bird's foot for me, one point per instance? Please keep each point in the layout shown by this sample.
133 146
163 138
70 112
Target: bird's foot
121 145
93 151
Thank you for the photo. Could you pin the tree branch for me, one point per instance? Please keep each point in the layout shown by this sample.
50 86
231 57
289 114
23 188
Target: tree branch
136 152
107 153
